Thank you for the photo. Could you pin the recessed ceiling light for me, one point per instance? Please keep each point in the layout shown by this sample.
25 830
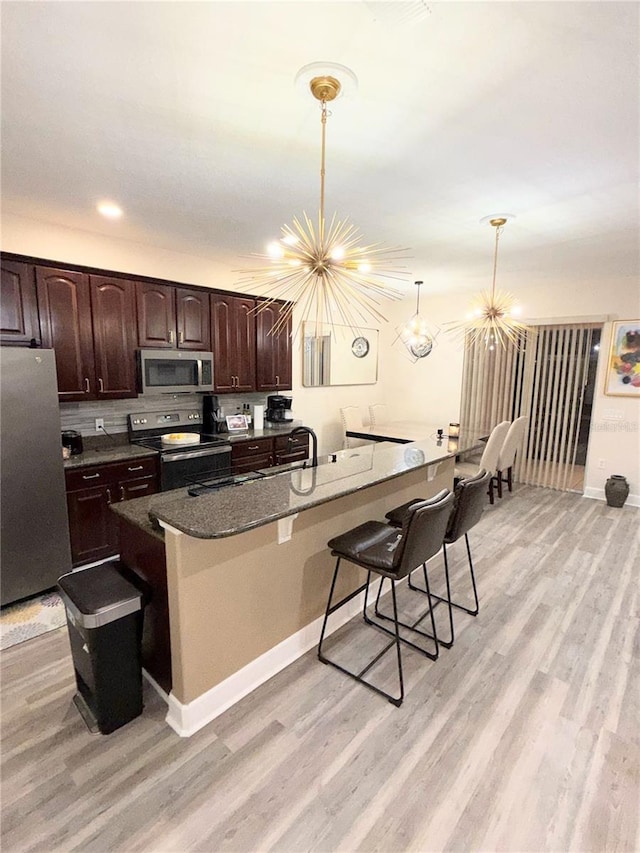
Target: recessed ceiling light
110 210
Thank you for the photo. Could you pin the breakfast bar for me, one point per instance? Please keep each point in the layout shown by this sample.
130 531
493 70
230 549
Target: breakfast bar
248 568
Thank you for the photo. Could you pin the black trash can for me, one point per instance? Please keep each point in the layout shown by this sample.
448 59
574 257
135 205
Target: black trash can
104 618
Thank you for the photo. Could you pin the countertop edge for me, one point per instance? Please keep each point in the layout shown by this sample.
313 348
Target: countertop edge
198 534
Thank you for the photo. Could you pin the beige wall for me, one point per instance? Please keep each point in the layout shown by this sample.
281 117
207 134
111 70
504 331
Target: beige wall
233 599
430 389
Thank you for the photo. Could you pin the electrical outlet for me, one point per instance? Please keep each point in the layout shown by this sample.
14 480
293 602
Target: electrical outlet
100 425
602 463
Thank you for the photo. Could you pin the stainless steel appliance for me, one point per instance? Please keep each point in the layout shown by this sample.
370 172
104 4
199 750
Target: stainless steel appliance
162 371
34 534
279 408
182 461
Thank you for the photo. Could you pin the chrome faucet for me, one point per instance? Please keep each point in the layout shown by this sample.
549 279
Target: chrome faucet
314 443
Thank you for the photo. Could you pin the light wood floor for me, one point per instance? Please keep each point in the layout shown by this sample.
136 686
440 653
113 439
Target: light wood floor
558 476
524 736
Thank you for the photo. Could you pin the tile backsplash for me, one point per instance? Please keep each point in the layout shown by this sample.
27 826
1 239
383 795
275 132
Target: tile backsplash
81 416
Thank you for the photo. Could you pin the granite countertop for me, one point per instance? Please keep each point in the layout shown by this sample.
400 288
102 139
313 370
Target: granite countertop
267 432
101 449
110 452
282 491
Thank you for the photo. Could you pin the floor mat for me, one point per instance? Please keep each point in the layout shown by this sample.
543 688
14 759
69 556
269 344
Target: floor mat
30 618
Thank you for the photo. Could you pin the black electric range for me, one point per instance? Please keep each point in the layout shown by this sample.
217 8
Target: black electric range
181 464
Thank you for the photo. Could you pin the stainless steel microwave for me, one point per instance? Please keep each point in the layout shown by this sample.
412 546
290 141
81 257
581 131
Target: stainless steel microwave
164 371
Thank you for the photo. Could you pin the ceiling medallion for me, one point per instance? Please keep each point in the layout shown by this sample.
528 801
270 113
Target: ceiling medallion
325 269
493 320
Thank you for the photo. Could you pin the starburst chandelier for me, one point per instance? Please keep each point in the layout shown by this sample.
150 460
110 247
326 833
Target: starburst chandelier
416 334
493 320
326 270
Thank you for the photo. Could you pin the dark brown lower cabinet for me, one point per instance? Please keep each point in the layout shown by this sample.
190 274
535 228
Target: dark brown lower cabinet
91 525
251 455
255 454
290 449
93 528
143 557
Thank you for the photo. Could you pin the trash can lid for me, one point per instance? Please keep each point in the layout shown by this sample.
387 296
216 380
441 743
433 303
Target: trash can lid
99 589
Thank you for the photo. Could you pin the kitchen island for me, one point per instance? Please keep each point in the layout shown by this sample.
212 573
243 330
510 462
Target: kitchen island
247 568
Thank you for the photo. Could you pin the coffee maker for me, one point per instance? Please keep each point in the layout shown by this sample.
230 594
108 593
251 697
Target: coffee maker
279 409
212 419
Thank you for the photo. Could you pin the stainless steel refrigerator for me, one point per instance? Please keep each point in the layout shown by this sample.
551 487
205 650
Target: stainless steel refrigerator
34 529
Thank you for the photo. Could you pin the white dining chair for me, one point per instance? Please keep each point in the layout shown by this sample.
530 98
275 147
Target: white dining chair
378 414
351 418
507 456
489 458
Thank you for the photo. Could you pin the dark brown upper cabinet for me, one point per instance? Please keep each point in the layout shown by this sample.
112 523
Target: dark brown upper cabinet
95 320
172 317
113 308
233 327
88 321
65 320
193 320
273 351
156 315
19 323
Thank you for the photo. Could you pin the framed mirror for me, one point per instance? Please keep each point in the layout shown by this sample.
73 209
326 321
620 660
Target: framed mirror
338 355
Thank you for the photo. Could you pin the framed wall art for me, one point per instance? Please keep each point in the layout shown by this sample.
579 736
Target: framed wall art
622 375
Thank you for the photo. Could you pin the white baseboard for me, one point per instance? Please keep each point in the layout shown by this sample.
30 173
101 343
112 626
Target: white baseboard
155 685
598 495
187 719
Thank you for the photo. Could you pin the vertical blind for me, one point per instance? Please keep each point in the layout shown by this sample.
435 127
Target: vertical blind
544 378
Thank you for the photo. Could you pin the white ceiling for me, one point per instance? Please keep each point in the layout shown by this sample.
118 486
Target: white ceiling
186 114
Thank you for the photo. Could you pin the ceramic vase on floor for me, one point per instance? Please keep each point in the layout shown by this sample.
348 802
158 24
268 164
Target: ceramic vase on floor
616 490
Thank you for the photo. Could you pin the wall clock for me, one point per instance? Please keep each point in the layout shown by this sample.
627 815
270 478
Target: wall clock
360 347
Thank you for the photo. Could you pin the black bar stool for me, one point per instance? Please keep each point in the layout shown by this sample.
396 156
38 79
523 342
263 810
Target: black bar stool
467 512
384 550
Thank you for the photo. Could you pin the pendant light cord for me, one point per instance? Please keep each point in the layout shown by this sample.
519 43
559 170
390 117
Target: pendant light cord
322 168
495 261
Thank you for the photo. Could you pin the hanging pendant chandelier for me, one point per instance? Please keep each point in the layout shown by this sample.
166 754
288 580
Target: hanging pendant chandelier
416 334
327 270
493 321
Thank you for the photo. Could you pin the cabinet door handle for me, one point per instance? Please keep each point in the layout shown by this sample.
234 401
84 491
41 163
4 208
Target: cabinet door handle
172 337
101 386
180 337
90 476
121 493
254 447
277 379
137 468
86 386
108 496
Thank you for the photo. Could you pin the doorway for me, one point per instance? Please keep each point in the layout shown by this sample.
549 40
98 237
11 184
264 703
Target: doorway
557 394
549 376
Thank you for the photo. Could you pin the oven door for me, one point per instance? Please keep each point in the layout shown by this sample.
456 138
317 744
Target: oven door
181 469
